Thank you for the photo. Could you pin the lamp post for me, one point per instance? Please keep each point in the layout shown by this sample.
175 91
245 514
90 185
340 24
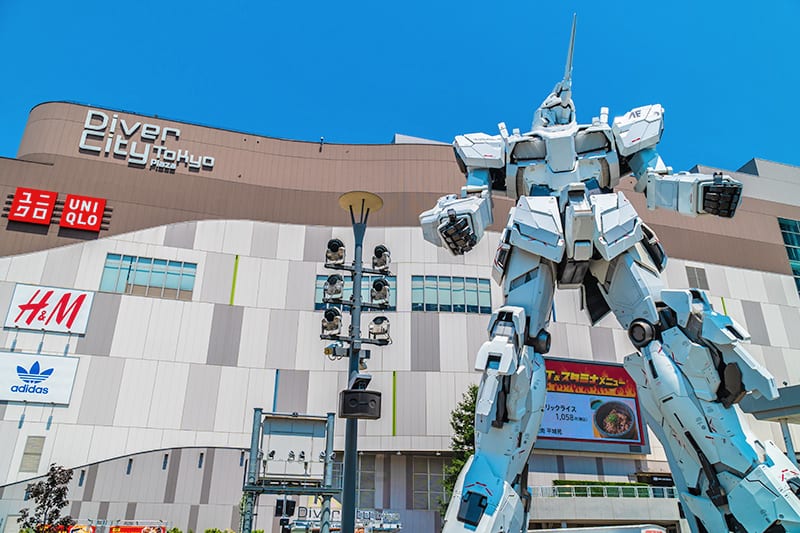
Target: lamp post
355 402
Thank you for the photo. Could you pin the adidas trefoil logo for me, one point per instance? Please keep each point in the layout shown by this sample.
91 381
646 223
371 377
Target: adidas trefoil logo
32 378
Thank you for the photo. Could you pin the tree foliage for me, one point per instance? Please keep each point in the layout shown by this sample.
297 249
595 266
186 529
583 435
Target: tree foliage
462 443
50 497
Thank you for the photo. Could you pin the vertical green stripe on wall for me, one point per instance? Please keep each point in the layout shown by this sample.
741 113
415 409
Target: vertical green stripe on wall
724 309
394 403
235 272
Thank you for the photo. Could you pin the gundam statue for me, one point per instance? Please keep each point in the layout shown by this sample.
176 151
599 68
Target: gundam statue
571 230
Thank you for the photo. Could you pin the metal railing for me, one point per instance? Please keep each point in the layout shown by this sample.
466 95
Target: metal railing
604 491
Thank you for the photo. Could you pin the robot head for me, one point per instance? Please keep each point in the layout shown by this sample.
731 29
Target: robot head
558 109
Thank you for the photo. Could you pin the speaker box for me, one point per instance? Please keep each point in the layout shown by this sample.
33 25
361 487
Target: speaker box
364 404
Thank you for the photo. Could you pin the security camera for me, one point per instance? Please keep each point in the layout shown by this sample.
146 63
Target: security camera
381 258
334 255
333 289
331 321
379 328
380 292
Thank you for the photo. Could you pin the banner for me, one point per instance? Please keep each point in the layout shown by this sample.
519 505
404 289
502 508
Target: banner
588 401
37 378
49 309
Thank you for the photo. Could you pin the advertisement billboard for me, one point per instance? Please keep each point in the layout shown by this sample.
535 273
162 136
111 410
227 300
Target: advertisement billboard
49 309
591 402
37 378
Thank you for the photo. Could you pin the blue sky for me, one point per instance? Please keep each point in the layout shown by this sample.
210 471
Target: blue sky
358 72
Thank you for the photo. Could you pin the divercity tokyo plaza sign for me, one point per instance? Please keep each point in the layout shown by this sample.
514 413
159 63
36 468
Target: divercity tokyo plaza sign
140 144
37 378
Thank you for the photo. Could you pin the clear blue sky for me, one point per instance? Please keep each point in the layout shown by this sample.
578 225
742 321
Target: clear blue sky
360 71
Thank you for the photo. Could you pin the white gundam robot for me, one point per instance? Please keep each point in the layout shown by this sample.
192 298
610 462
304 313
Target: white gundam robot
571 230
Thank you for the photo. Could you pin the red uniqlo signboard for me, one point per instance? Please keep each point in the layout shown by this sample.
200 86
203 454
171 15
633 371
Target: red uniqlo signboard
32 205
82 212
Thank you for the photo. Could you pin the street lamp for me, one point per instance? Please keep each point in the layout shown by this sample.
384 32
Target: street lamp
356 402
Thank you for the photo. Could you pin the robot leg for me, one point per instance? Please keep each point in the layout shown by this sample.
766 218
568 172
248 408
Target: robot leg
491 492
690 371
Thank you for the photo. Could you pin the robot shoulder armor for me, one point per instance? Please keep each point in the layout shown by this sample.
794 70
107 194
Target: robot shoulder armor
478 150
638 129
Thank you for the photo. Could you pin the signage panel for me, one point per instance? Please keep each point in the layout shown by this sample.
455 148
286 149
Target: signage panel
592 402
49 309
82 212
32 205
37 378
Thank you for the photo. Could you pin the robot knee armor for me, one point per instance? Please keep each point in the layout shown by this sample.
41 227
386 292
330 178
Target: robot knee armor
641 332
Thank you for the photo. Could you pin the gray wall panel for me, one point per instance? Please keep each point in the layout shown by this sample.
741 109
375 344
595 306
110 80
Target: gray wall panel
89 483
755 322
130 511
217 278
180 235
791 317
102 322
194 510
208 470
61 266
199 408
282 340
3 409
775 361
102 512
265 240
292 391
425 342
317 242
173 467
226 330
74 508
99 401
300 286
774 286
602 344
411 403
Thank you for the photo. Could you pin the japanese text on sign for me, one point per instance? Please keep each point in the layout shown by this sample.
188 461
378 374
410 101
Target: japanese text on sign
32 206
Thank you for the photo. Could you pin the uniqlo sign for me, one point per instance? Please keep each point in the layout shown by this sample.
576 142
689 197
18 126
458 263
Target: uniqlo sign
49 309
32 205
82 212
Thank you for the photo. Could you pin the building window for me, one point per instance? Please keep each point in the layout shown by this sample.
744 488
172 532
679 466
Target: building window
428 473
697 278
347 292
200 460
366 481
451 294
145 276
129 467
790 229
32 454
165 462
82 478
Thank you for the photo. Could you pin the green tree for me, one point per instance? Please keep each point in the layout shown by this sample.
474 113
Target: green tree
462 420
50 497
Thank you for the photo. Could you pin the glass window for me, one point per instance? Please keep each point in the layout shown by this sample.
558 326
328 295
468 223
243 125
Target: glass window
366 481
459 305
145 276
444 294
431 301
485 296
471 291
417 296
427 476
790 230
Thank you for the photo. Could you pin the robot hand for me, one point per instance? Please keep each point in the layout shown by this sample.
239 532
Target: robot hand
458 223
720 197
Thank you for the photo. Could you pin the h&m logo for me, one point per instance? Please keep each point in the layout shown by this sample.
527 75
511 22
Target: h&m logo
32 378
65 309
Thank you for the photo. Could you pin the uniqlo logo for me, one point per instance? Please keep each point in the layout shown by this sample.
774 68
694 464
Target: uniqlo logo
32 205
82 212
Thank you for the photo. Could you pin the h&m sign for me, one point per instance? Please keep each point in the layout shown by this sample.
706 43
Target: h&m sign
49 309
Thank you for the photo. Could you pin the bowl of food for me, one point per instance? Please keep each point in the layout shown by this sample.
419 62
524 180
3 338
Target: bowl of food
615 420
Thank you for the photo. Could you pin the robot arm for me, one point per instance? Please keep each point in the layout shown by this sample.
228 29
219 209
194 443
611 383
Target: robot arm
458 222
636 135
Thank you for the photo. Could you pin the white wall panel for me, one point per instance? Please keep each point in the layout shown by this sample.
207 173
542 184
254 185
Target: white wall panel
247 278
168 396
72 444
440 386
209 236
421 250
135 393
107 442
260 391
754 281
272 284
396 356
61 266
323 395
133 321
735 311
291 239
5 264
144 439
161 340
579 342
149 236
775 326
195 331
264 240
309 345
398 240
792 362
238 234
232 401
253 341
453 342
27 268
674 275
178 438
717 280
790 290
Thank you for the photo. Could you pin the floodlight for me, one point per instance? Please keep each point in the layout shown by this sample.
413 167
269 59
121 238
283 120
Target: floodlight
331 322
381 258
322 456
302 456
271 454
380 292
334 255
333 288
291 455
379 328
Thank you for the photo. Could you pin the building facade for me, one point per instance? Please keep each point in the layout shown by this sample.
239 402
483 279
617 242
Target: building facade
202 272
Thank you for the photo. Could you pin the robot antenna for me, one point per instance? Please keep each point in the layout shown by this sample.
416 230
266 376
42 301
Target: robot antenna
568 69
